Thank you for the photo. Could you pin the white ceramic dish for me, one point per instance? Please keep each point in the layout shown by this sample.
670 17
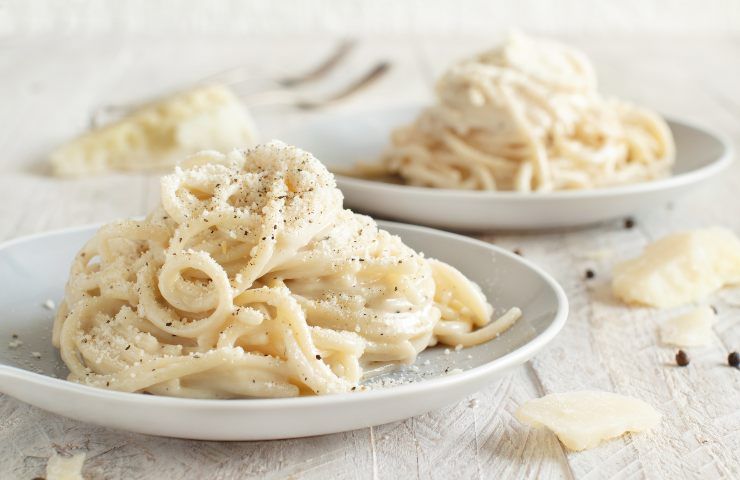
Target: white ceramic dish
339 140
34 269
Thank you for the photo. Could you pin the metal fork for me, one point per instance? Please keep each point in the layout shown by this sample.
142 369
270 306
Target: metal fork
281 94
242 73
288 97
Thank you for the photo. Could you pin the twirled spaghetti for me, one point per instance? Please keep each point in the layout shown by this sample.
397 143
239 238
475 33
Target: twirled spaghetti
526 117
251 280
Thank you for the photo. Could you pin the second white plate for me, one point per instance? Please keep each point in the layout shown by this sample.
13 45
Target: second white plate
340 140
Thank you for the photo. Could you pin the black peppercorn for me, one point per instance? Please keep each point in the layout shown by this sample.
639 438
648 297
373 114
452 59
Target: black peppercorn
629 223
733 359
590 274
682 359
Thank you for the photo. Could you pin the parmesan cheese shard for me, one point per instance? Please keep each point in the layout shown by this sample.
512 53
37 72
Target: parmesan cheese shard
693 329
159 134
65 468
680 268
583 419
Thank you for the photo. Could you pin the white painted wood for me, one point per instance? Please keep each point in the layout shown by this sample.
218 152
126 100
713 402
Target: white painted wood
362 17
49 85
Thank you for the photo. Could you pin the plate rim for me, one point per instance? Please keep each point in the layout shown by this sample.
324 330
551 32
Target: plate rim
511 359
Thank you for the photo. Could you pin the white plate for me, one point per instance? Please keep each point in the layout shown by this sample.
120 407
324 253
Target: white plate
339 140
34 269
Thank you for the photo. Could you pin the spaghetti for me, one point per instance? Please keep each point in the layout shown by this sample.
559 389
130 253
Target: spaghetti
251 280
526 117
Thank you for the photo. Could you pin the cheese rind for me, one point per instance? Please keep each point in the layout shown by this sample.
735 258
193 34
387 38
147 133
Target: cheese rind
693 329
159 134
679 269
583 419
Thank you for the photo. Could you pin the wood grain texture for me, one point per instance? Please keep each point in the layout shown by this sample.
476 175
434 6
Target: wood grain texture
49 86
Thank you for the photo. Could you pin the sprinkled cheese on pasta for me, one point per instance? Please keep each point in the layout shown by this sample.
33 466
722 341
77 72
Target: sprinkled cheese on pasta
252 280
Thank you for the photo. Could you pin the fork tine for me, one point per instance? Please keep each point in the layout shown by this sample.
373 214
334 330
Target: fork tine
372 76
241 73
339 53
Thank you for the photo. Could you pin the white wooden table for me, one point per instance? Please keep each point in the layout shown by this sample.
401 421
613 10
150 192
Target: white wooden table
48 87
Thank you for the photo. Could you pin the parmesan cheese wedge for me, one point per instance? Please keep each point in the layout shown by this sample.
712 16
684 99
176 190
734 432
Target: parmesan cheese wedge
158 134
65 468
693 329
680 268
583 419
